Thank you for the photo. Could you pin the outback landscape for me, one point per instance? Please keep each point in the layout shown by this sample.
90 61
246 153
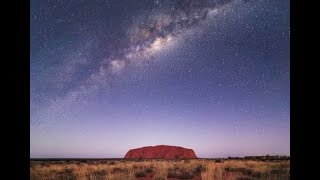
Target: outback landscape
160 163
160 169
159 89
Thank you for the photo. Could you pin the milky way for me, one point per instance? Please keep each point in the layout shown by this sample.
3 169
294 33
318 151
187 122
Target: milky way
153 34
205 74
156 31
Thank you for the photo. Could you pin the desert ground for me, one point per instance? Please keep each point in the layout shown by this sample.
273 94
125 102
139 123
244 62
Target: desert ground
158 169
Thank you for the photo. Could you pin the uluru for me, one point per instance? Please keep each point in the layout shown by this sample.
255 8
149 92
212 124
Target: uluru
161 152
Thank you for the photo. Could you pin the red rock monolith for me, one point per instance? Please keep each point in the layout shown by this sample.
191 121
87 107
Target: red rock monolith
161 152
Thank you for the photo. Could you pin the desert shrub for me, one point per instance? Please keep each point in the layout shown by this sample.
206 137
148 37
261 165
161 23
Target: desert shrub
148 170
256 174
53 171
245 171
229 169
140 174
67 174
244 178
112 163
78 163
99 173
68 171
277 171
137 167
280 169
170 169
185 175
91 162
125 170
218 161
186 161
116 169
199 169
171 174
65 177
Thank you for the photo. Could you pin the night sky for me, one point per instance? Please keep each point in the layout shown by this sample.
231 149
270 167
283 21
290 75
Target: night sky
110 75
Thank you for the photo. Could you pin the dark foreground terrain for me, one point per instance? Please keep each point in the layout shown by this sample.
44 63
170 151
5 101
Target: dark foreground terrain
157 169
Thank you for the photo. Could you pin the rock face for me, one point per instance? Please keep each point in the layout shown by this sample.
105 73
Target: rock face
161 152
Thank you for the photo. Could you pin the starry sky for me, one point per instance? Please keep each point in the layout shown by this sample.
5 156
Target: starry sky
107 76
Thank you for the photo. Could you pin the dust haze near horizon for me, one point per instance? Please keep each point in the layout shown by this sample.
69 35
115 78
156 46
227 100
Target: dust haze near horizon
109 76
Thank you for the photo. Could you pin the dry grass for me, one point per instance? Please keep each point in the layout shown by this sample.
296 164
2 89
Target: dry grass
160 169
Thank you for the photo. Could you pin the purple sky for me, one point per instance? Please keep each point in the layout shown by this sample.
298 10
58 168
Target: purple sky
109 76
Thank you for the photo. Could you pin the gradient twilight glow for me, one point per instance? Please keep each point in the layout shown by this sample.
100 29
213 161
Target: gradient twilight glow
108 76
